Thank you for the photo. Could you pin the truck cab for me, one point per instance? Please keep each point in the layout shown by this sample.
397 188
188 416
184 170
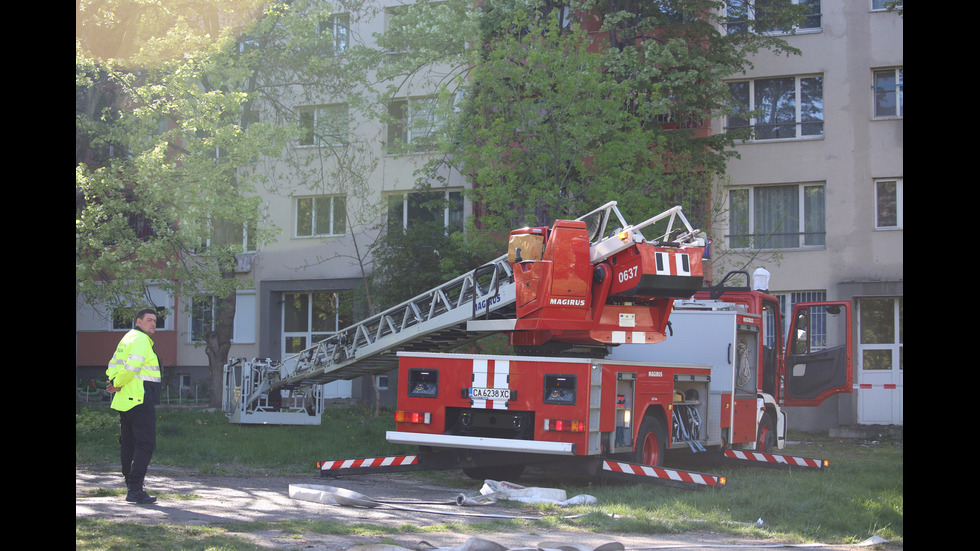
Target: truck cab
755 374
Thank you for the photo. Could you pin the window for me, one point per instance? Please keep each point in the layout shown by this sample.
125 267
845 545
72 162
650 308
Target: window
406 209
777 217
817 332
308 318
335 32
751 14
227 233
778 108
886 4
203 316
398 29
324 125
888 204
881 329
321 216
414 122
889 97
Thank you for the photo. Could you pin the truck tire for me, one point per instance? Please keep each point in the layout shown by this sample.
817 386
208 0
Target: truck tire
766 441
651 444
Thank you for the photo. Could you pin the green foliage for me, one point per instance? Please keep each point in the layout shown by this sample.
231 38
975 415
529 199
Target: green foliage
545 128
90 421
182 123
424 256
161 140
565 109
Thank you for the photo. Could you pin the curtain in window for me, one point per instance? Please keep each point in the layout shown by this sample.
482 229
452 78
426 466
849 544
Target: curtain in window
777 217
738 219
814 216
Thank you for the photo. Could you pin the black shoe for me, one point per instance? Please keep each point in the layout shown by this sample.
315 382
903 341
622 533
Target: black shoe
138 495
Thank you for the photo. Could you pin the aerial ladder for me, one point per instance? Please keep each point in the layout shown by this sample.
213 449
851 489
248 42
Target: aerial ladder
569 289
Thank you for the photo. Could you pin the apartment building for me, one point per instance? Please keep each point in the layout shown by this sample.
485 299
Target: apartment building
325 227
817 197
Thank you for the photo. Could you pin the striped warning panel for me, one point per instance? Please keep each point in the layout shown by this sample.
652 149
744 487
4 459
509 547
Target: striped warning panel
663 474
777 459
393 461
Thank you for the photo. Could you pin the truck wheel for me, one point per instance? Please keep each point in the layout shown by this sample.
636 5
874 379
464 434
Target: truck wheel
650 443
766 442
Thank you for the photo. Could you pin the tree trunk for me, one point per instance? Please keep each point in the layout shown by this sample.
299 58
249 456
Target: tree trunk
218 345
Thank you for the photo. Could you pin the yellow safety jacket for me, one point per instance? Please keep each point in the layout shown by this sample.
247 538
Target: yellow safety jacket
133 368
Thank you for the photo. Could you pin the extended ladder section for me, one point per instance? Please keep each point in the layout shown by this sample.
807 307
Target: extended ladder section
432 321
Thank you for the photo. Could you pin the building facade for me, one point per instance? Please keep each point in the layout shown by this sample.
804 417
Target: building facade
325 226
817 197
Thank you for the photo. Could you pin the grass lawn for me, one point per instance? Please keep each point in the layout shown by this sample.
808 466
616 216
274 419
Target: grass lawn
858 496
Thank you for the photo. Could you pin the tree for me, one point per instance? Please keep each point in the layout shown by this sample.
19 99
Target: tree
180 106
570 103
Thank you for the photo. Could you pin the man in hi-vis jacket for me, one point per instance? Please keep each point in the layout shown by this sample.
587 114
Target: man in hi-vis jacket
134 381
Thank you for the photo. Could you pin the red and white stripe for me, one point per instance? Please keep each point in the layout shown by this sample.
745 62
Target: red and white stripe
661 473
396 460
770 458
491 374
673 263
869 386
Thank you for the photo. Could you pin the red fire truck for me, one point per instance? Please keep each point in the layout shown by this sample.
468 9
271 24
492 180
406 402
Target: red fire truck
718 383
620 357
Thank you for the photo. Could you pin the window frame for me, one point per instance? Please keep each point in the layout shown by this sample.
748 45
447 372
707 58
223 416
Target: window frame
314 216
311 303
871 343
452 220
200 317
881 5
317 133
402 131
899 206
800 109
817 332
339 41
806 224
895 90
741 25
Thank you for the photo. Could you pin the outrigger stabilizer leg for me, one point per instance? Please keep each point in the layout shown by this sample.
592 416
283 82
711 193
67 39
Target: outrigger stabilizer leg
611 469
774 460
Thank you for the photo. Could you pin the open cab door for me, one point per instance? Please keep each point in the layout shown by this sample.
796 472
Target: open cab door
818 354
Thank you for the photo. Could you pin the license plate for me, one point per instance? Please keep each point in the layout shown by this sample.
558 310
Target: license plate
490 393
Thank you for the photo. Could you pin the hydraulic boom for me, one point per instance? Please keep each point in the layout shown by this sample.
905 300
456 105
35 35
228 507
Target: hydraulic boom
576 287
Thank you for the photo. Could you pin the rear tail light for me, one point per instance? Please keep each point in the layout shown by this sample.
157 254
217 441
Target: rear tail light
418 417
564 425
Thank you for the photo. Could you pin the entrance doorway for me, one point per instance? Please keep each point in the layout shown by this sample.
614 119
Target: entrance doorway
880 361
308 318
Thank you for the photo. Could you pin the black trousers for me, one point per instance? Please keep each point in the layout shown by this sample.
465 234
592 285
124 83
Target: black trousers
137 440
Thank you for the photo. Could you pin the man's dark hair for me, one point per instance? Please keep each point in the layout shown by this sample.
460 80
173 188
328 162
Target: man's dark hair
145 311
